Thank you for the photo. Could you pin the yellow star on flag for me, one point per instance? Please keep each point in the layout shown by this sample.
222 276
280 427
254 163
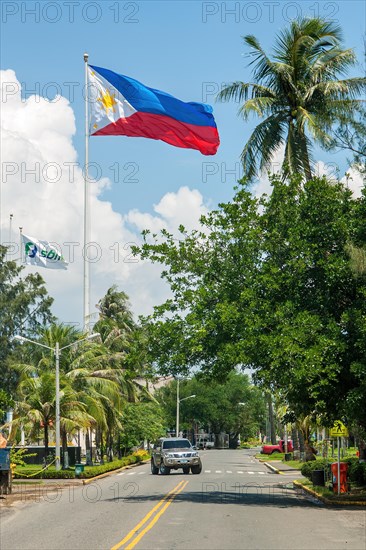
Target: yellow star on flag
108 101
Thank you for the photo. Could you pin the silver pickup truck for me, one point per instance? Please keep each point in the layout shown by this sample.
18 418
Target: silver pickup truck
172 453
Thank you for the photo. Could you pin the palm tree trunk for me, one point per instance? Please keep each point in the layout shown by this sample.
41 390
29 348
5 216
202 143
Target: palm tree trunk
64 448
302 442
306 160
45 429
295 438
271 420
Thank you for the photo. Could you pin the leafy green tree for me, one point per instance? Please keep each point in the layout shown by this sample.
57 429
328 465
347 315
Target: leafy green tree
350 136
25 307
140 421
35 405
234 406
268 283
6 403
298 93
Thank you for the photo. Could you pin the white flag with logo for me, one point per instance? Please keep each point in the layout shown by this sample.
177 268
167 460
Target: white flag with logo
42 254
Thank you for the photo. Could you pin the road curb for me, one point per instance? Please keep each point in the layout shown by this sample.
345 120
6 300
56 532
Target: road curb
106 474
313 493
326 500
275 470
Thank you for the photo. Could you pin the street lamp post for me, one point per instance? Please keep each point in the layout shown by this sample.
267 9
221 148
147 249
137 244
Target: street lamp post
57 351
178 411
239 438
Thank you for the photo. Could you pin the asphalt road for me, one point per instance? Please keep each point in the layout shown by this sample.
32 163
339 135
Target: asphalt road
235 503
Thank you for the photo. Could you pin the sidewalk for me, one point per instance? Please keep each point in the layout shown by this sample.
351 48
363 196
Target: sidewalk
279 467
29 489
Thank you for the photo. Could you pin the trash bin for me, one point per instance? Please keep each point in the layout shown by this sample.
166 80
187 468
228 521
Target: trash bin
79 468
343 467
318 478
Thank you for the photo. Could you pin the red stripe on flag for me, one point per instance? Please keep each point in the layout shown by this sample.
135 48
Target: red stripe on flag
204 138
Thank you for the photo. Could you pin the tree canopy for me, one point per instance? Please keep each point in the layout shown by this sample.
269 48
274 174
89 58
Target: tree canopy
267 284
25 307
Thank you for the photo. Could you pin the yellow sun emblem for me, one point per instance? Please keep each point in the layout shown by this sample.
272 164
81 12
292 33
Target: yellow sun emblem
108 101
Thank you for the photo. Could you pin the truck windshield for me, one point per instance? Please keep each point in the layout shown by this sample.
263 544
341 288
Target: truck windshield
177 444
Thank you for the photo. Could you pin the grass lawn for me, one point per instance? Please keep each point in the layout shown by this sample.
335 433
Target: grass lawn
273 456
294 464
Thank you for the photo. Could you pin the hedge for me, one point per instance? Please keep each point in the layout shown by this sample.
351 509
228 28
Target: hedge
356 469
321 464
89 471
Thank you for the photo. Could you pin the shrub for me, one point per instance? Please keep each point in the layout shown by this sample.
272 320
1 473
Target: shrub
356 471
30 473
89 471
17 456
141 455
320 464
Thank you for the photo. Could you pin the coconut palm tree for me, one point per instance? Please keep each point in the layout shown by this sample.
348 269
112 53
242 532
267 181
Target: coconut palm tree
115 306
297 93
35 404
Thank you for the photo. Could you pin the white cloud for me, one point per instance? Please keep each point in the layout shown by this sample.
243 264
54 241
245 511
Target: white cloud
355 181
185 205
44 192
264 186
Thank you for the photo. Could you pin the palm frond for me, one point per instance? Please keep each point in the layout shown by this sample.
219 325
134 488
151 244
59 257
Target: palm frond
260 106
263 141
306 119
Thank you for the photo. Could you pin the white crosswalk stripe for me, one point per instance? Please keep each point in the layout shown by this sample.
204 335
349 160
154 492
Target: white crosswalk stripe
251 473
207 471
218 472
229 472
121 474
141 473
131 474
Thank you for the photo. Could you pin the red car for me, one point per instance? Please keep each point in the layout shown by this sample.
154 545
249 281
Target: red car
279 448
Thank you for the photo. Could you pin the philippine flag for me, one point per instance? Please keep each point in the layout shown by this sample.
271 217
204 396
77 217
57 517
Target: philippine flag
123 106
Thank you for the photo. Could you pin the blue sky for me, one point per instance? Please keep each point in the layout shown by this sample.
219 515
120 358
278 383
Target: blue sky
185 48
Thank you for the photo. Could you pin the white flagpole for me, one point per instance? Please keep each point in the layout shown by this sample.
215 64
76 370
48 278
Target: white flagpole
20 245
86 204
9 252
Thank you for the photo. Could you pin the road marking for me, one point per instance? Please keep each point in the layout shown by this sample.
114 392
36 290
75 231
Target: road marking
261 473
141 473
218 472
168 499
251 473
131 474
207 471
229 472
239 472
121 474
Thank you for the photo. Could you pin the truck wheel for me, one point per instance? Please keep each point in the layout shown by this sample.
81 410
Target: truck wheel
164 470
186 470
196 469
154 469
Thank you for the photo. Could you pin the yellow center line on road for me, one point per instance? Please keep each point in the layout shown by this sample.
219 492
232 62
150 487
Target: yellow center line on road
168 497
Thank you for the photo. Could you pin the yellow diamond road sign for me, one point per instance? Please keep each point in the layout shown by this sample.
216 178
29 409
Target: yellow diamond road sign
338 430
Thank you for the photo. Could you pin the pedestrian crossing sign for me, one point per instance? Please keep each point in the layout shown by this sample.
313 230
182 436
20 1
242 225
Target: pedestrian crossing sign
338 429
